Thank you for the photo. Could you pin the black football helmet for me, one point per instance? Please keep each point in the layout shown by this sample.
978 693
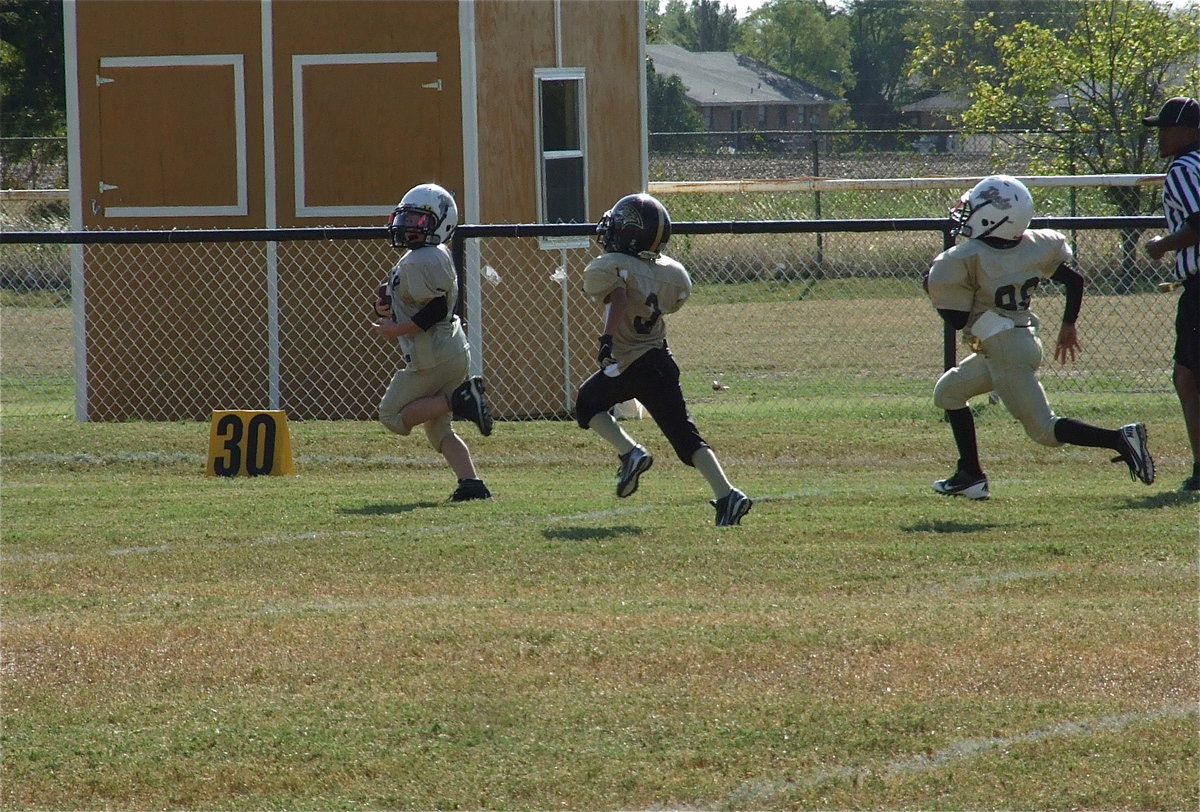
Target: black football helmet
637 224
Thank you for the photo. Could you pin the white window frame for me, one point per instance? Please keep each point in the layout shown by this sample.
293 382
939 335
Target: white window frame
299 63
237 64
578 75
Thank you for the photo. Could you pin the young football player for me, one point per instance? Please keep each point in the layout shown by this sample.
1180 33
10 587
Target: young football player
639 286
983 287
415 307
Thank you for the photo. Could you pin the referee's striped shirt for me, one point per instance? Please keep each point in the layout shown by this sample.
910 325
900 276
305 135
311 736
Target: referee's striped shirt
1181 197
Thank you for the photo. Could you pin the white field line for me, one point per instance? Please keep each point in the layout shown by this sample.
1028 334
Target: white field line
763 793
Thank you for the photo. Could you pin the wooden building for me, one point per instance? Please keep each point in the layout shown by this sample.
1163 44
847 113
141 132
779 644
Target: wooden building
188 114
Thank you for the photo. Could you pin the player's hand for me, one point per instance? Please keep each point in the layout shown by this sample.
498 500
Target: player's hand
605 356
383 303
1067 344
1154 248
385 328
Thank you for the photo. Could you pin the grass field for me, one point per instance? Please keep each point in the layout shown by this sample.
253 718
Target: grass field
345 639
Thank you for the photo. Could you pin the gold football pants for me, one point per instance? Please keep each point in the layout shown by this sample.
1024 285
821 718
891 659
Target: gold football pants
1007 365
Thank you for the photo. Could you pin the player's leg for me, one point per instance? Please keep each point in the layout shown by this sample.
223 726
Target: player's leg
663 398
434 414
405 388
596 397
952 392
1015 357
458 456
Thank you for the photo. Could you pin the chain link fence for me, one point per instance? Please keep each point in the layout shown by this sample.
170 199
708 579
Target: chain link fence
789 316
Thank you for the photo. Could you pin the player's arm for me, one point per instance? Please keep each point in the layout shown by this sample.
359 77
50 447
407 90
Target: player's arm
943 293
1072 282
434 311
955 318
617 302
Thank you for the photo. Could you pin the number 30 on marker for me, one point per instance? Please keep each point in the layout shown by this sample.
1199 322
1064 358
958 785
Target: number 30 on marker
249 443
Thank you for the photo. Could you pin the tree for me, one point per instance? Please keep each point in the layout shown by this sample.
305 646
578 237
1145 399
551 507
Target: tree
958 38
880 32
803 38
32 88
32 83
1084 88
702 25
667 107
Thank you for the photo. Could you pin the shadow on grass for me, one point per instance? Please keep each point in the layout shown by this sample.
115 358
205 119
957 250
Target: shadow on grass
387 510
938 526
1162 499
590 533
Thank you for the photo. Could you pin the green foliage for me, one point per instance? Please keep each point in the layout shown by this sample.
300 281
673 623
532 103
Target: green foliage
1083 74
701 25
667 107
880 33
957 39
32 85
803 38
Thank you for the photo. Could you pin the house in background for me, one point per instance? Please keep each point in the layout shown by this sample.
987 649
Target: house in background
940 112
737 92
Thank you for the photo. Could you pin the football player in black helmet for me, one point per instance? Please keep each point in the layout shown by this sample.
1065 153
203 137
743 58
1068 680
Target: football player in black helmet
639 285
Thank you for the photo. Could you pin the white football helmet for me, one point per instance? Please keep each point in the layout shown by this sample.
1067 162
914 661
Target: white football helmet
997 206
426 215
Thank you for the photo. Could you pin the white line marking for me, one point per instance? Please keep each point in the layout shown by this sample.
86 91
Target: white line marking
762 793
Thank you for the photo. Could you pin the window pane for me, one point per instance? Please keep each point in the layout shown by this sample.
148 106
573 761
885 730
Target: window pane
564 190
560 114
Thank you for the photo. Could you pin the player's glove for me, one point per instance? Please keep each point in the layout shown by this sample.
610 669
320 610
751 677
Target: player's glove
605 356
383 303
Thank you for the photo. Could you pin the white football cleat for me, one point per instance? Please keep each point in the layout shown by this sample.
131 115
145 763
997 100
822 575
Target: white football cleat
972 486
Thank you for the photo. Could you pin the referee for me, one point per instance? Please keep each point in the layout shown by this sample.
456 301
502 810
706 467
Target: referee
1178 124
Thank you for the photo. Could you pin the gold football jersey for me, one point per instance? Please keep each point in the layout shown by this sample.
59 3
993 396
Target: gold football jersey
421 275
975 277
653 288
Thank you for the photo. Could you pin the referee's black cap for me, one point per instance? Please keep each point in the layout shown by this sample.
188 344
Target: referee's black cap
1180 111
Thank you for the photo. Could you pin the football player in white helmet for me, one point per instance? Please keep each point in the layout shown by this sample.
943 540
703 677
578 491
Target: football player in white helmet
415 307
983 287
639 285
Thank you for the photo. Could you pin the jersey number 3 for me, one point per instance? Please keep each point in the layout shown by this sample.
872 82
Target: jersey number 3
644 326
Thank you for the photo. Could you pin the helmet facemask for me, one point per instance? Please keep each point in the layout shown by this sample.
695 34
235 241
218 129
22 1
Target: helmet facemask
427 215
412 228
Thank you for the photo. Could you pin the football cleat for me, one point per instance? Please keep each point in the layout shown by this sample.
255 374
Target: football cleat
1136 455
469 489
972 486
732 507
634 463
469 403
1192 483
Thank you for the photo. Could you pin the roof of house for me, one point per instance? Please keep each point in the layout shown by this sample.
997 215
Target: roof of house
725 77
952 102
957 102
